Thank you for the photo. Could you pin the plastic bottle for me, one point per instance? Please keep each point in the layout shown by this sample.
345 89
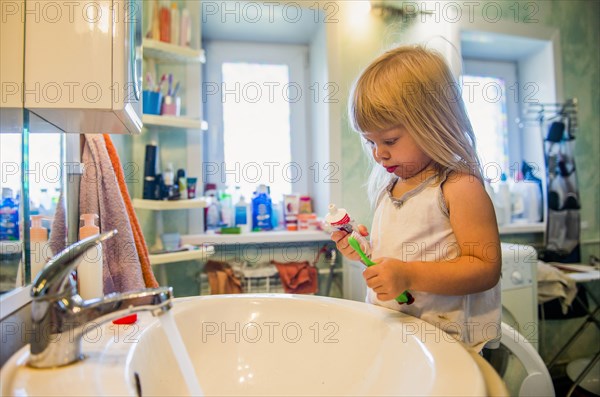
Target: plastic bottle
517 197
9 216
169 175
40 248
241 215
165 22
262 209
504 201
185 24
213 215
174 24
226 209
155 30
89 270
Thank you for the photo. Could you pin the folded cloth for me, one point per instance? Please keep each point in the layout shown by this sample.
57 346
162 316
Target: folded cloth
221 278
298 277
553 284
99 193
138 236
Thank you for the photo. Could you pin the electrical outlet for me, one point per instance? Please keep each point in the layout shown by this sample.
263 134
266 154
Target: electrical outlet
584 225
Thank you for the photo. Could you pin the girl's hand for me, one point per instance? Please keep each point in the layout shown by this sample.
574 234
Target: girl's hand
341 241
388 278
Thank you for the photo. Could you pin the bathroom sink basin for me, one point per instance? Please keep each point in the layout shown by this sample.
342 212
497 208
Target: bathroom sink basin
261 345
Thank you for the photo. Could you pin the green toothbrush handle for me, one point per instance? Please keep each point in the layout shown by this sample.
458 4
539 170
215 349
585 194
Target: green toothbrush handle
405 297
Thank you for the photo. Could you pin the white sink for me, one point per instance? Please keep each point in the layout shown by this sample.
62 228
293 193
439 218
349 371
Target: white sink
262 345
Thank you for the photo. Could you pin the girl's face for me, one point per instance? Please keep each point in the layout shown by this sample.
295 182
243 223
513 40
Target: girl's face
397 152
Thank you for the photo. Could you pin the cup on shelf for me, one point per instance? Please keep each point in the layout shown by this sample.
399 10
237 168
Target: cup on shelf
171 241
171 106
151 101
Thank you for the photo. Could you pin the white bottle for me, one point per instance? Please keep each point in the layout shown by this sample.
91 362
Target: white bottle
89 270
40 248
242 215
174 24
504 202
169 175
185 25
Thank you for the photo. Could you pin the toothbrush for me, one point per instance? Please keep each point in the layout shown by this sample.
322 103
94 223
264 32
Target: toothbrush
170 84
176 90
162 80
150 81
405 297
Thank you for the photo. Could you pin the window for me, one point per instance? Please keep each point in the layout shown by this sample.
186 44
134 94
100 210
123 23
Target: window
254 95
491 100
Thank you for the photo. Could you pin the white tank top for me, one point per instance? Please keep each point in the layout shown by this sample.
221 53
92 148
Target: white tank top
416 227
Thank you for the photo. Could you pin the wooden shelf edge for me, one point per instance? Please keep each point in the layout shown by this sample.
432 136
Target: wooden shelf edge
199 254
257 238
163 205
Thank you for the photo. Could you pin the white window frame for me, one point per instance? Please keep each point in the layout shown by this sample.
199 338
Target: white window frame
296 57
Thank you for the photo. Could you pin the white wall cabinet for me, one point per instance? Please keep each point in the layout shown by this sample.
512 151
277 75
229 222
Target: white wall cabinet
83 64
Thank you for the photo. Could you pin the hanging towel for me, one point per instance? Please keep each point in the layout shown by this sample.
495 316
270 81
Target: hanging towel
221 278
138 236
298 277
58 231
553 284
100 194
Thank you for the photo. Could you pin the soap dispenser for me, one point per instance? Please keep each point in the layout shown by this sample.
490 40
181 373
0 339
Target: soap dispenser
40 248
89 270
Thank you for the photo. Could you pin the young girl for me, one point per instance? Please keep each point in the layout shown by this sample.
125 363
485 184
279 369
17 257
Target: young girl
434 230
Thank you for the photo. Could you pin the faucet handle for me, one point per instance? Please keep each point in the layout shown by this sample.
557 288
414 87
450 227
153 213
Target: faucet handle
54 276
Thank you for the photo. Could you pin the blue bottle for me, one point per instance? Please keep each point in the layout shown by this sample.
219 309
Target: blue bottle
262 209
9 216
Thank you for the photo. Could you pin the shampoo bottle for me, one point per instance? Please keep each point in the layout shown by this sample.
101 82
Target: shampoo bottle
174 24
89 270
40 248
262 209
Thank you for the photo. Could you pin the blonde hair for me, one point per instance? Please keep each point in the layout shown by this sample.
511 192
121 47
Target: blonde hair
413 87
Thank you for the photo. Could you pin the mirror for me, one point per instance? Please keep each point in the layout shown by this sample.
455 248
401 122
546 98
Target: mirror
33 180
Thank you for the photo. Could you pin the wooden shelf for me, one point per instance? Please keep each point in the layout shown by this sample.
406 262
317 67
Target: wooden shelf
256 238
163 205
167 52
523 228
199 254
174 122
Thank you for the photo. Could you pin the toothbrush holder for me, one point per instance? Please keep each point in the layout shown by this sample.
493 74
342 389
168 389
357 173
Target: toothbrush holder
151 101
171 106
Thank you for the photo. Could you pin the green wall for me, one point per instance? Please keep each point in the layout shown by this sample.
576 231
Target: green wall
577 21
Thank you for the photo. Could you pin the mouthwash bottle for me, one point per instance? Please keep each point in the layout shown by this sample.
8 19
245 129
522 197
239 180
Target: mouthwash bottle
262 209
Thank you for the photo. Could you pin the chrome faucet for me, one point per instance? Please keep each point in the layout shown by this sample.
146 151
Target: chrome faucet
61 317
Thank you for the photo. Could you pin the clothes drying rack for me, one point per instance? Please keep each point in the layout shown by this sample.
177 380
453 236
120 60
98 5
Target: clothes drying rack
558 125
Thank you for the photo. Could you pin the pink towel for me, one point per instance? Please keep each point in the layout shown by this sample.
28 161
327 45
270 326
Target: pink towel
298 277
100 194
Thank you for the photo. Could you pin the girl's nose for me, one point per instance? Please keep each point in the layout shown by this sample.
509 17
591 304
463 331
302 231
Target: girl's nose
381 153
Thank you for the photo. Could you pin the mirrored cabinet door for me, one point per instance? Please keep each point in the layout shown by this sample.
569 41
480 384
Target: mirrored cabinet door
32 211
